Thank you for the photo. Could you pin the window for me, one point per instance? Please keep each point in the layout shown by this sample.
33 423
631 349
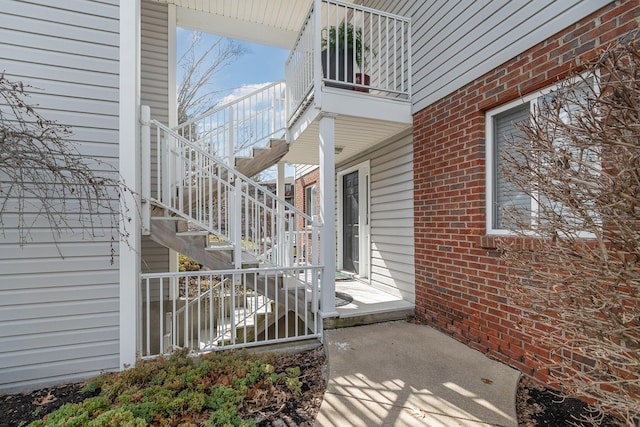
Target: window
505 193
310 200
500 128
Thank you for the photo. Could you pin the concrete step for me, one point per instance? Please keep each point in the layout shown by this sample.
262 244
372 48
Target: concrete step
359 319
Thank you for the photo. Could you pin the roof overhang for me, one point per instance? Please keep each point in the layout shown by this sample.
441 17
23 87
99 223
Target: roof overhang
269 22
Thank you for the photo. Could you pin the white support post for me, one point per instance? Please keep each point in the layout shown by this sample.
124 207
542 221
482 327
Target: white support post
283 243
145 165
327 216
314 261
128 135
280 181
317 52
274 112
237 221
230 141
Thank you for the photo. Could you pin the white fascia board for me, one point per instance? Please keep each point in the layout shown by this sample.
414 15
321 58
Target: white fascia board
350 103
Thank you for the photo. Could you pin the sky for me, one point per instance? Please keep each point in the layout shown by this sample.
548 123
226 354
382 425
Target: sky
261 64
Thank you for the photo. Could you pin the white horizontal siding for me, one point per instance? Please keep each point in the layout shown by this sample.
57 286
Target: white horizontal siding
59 293
302 170
392 264
154 57
392 245
455 42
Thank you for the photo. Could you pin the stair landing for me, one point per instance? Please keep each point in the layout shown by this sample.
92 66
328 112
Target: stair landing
369 305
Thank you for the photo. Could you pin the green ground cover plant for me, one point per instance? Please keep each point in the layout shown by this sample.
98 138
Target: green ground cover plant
217 389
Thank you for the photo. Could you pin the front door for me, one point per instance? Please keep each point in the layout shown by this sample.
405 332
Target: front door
351 222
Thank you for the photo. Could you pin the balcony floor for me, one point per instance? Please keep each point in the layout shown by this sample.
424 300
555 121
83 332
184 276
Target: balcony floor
363 120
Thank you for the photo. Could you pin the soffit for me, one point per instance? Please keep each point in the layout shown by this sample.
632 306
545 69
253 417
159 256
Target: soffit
270 22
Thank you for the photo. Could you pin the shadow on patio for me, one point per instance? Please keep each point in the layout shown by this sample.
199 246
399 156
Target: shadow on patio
400 374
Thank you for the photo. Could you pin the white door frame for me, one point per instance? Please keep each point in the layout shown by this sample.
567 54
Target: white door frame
364 189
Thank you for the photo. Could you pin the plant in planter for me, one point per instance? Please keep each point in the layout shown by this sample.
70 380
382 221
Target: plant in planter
340 47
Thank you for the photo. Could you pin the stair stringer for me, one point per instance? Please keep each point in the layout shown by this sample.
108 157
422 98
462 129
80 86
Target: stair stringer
262 158
163 231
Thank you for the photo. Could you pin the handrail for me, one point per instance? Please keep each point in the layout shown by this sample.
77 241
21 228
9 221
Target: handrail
197 297
234 127
220 163
201 188
231 327
224 105
238 301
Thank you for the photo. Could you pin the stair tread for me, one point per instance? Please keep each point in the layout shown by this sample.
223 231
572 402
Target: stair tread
224 247
192 233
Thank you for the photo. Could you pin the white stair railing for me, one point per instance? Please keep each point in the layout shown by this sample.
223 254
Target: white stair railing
212 310
213 196
234 127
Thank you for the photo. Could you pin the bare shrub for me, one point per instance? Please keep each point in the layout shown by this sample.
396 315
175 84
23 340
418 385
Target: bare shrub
575 269
44 175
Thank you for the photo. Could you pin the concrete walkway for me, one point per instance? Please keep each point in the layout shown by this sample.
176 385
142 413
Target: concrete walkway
402 374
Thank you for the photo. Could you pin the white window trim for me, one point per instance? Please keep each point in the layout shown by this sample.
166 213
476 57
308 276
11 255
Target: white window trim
312 189
490 167
364 189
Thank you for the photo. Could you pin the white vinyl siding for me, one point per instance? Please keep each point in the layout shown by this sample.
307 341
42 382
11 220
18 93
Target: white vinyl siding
59 301
391 211
455 42
302 170
154 87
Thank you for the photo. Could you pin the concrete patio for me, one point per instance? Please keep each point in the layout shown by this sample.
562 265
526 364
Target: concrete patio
402 374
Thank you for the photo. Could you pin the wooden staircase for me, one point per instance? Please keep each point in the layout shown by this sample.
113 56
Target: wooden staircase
262 158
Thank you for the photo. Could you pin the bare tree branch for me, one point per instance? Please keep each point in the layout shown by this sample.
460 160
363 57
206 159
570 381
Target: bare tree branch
575 270
43 175
200 68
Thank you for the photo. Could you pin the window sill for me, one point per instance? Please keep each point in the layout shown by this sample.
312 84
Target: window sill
493 242
489 241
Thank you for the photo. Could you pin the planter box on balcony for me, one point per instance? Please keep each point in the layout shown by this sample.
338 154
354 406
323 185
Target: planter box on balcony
329 70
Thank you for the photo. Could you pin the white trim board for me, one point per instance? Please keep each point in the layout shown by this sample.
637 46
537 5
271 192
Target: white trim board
364 196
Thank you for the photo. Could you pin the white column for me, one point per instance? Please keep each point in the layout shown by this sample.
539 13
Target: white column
280 181
282 248
327 216
129 136
145 166
172 65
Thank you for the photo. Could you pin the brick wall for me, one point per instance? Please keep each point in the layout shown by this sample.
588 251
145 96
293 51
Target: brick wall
303 182
460 280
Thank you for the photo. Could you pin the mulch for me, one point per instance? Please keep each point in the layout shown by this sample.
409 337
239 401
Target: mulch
538 406
535 404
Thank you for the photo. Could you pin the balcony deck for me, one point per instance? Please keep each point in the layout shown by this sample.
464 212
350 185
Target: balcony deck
353 63
362 121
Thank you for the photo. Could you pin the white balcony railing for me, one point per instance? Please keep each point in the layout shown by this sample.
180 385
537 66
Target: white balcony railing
214 310
351 47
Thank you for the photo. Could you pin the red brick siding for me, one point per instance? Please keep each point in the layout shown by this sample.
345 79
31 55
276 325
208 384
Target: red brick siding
459 278
303 182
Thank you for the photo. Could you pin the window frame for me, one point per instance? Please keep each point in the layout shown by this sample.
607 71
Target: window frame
491 166
311 200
